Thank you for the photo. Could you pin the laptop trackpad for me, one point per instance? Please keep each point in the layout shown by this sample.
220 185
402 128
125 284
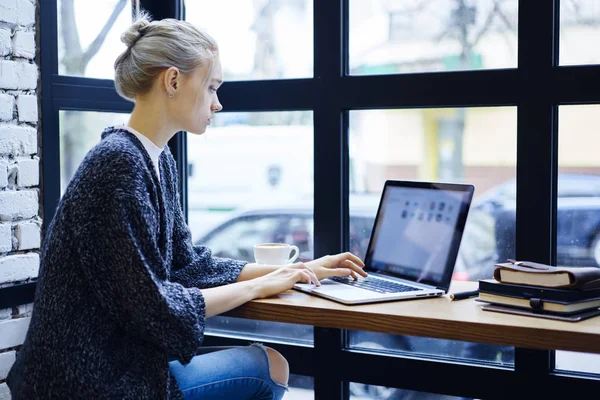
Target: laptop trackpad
326 285
337 289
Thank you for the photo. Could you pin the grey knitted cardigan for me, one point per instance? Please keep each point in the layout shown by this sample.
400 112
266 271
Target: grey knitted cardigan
117 293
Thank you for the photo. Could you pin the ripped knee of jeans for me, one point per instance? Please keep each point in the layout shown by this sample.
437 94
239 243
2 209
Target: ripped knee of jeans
266 353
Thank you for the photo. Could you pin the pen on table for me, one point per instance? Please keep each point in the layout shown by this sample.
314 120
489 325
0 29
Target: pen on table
464 295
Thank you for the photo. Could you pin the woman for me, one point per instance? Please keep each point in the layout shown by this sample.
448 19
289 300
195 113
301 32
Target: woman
121 288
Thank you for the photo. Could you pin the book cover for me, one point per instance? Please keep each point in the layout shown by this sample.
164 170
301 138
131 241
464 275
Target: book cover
528 291
580 316
539 304
536 274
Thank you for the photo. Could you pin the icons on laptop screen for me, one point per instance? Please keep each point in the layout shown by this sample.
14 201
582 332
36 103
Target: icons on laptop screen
431 212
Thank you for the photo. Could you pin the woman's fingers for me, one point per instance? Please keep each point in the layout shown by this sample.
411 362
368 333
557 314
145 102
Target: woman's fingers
353 266
307 277
313 277
353 258
310 272
301 276
338 272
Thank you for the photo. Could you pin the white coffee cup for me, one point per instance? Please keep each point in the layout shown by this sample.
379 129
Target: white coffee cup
275 253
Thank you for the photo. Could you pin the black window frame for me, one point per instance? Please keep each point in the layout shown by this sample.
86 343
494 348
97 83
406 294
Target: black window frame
536 87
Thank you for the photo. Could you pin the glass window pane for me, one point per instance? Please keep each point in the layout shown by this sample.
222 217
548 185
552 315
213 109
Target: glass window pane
89 36
578 221
259 39
580 362
301 388
390 37
250 180
422 346
473 145
361 391
79 132
579 28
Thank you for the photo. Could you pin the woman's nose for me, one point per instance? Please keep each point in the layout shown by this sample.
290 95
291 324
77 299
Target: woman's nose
216 106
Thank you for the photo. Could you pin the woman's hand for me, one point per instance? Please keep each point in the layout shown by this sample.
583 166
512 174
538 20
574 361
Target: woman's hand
283 279
344 264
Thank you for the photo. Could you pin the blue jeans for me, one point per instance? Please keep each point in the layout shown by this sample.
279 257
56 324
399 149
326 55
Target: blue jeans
228 373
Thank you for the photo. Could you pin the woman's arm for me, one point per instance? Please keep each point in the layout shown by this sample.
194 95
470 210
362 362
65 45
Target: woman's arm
257 281
321 267
252 271
221 299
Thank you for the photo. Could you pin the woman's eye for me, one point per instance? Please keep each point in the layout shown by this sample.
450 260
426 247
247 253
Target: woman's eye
213 89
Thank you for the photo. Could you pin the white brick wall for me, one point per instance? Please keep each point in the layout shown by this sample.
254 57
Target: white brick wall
13 332
5 42
6 361
17 139
28 172
23 44
4 392
21 204
27 108
5 237
19 169
6 107
18 75
17 12
3 173
28 236
25 310
19 267
8 11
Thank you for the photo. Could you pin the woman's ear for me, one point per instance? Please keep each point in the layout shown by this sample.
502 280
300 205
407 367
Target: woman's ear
171 81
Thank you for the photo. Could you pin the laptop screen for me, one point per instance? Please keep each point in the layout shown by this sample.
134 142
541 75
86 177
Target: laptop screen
418 230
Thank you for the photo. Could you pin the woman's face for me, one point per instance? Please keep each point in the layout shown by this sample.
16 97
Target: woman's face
197 102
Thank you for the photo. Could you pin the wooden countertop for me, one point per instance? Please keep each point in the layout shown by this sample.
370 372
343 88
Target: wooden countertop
435 317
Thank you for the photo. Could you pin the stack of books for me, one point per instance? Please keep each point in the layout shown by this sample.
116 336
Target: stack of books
539 290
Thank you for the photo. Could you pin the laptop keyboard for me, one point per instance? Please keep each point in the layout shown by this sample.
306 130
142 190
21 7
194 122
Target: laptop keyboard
375 285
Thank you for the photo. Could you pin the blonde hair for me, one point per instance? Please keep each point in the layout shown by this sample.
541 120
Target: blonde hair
158 45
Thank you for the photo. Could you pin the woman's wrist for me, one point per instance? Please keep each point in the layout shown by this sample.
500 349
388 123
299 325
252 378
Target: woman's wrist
254 288
254 270
311 264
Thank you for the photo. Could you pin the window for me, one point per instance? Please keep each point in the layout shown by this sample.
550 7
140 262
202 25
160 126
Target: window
389 37
259 39
359 391
451 145
301 388
578 221
79 132
89 37
250 181
579 26
251 162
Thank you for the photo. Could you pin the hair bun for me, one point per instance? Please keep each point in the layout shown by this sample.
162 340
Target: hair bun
135 32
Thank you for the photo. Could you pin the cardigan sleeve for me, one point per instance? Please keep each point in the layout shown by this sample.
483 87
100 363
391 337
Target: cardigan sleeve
116 241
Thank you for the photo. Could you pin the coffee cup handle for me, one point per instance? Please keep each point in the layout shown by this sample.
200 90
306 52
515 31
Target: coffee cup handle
296 254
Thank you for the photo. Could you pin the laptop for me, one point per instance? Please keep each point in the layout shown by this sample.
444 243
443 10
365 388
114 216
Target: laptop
413 246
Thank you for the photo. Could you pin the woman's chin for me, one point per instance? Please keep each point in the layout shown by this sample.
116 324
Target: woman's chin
197 130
